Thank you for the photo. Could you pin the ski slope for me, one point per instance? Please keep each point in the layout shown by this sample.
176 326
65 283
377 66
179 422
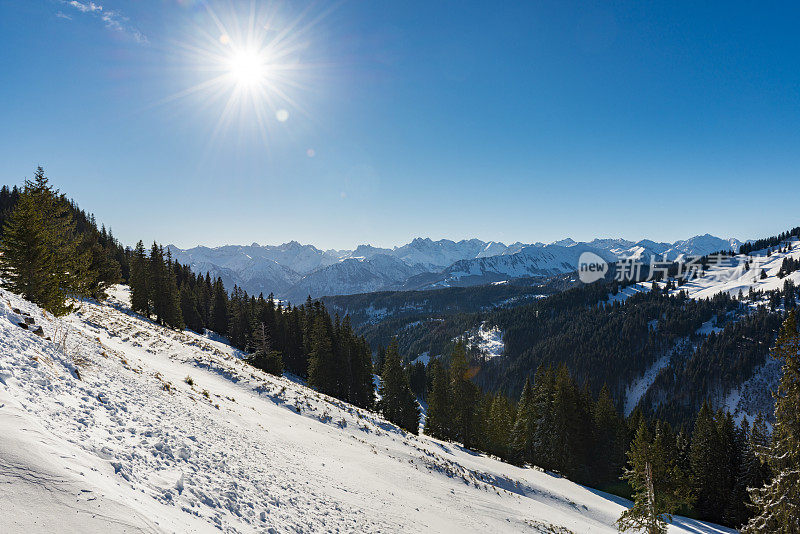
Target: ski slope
120 425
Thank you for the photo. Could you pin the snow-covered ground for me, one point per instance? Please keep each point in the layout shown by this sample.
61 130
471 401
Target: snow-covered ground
120 425
732 277
489 341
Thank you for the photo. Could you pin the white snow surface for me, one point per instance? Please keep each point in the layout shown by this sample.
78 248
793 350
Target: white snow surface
104 433
489 341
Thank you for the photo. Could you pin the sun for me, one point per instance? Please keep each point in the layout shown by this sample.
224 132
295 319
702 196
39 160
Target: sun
248 68
251 67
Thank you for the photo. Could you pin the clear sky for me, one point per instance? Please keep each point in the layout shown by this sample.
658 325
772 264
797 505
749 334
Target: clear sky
377 121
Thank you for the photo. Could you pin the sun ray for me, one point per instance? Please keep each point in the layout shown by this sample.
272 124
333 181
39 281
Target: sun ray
250 65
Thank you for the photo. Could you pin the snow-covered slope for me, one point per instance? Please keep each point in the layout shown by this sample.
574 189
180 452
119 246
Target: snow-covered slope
125 426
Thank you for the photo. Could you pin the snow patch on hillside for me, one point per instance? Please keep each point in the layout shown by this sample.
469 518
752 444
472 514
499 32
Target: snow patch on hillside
489 341
755 394
637 389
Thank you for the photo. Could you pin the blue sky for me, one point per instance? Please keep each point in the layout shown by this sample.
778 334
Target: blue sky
533 122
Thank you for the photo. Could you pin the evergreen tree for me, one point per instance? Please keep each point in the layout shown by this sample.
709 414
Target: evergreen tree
158 282
103 270
189 310
658 484
708 459
264 357
438 422
172 303
565 429
397 402
499 423
464 396
739 502
39 254
322 369
778 502
219 309
139 281
609 438
361 390
522 433
543 418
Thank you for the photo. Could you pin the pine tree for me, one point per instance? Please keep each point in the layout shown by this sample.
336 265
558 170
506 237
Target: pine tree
464 396
158 280
264 357
140 292
608 438
397 402
543 417
189 310
499 423
438 422
737 513
102 270
39 255
322 371
522 433
778 502
361 386
658 484
172 302
565 415
708 458
219 309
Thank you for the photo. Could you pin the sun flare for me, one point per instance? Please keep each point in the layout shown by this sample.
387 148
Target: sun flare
248 68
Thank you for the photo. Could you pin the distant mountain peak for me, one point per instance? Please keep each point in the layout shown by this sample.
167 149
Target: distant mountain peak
293 268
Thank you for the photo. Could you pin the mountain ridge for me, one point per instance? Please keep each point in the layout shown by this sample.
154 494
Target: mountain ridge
295 270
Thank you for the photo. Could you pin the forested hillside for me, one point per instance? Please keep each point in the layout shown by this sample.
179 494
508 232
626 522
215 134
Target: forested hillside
613 336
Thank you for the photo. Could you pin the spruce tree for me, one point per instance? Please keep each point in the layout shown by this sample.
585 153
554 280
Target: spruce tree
498 424
397 403
708 460
778 502
322 371
39 254
264 357
102 270
543 418
219 308
522 433
189 310
438 422
362 385
565 429
464 396
140 292
659 486
172 300
608 438
158 282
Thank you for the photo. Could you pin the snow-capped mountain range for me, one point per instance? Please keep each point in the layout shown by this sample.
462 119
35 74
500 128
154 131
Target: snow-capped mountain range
294 271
